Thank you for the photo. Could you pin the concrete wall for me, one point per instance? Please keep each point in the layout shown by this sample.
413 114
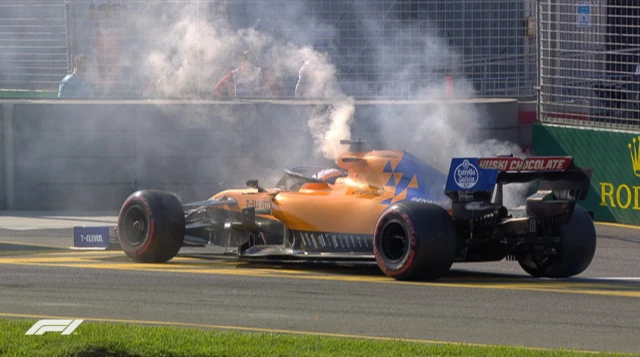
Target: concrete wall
527 117
91 155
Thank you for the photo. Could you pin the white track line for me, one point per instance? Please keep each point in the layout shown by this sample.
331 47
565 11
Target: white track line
613 278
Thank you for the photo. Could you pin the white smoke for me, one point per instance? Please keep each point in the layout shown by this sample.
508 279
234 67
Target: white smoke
192 48
331 124
436 127
197 49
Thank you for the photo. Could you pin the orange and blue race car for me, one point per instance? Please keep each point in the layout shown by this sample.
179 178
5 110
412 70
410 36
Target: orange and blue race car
385 208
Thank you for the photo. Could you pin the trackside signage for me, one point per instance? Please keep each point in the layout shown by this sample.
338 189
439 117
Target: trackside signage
615 156
90 237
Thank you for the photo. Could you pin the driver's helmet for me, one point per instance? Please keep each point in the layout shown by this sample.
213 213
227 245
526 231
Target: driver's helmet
329 175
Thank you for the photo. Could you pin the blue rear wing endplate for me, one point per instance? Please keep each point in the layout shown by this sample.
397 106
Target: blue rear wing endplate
466 175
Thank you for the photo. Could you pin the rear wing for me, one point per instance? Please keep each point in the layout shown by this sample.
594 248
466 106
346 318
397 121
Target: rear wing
475 179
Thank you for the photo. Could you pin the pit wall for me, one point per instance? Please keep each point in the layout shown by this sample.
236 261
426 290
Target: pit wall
90 155
615 185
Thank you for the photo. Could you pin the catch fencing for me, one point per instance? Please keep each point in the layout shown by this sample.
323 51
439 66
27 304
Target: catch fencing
396 48
381 49
589 62
34 48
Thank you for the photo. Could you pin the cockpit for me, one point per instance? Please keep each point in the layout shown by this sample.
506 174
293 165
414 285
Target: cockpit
294 178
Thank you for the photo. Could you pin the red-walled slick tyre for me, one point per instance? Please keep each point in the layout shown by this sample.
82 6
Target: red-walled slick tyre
415 241
151 226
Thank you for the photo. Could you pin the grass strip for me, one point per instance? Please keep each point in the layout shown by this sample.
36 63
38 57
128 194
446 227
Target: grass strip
126 340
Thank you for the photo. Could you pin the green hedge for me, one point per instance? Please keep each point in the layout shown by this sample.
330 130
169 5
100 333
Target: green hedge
615 157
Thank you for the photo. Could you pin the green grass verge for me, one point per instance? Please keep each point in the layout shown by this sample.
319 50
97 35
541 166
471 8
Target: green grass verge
122 340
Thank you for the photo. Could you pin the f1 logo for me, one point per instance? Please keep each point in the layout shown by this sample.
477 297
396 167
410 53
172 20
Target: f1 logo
65 327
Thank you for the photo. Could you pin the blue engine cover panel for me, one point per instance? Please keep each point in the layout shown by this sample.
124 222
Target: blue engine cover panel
430 181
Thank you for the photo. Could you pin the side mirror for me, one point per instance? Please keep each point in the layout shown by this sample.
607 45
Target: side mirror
254 184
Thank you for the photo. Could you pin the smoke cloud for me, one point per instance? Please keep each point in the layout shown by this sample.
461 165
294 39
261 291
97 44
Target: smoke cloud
192 48
184 47
437 127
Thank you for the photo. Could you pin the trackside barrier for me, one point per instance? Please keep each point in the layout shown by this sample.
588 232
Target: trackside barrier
90 238
615 157
90 155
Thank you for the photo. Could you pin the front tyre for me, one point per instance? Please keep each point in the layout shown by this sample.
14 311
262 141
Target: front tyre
573 254
414 241
151 226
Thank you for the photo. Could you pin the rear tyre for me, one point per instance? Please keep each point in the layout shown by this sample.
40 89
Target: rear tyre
151 226
414 241
573 254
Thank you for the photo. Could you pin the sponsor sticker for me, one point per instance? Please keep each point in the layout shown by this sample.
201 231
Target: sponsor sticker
258 204
426 200
530 164
466 175
422 200
465 196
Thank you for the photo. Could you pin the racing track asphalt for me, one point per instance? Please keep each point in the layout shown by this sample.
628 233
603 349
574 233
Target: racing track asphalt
493 303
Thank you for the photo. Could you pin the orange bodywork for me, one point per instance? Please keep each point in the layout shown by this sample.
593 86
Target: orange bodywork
351 205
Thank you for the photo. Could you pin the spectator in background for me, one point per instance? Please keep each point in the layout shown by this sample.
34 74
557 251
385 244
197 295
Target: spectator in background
108 18
248 80
75 85
316 77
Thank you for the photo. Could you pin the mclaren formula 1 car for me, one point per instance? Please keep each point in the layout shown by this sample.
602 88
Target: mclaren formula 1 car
385 208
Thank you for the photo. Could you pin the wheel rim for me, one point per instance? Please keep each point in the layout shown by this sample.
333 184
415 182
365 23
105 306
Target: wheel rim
135 226
394 241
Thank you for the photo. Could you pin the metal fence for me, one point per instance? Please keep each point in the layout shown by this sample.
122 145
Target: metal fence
395 48
589 62
33 44
381 48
